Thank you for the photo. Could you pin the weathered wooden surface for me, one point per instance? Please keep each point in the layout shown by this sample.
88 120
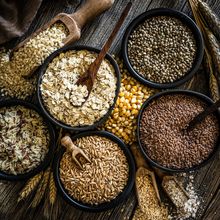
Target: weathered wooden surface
207 179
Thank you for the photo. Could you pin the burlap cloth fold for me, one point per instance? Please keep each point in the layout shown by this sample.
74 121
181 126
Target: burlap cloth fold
16 17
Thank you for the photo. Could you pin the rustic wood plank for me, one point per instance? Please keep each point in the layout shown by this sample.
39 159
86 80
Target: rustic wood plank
95 34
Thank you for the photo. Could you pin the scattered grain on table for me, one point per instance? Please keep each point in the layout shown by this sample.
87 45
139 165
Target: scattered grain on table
123 120
59 89
14 81
192 205
163 57
99 181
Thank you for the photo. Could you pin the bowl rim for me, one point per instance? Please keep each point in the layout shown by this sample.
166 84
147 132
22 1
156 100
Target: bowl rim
40 98
44 164
172 92
107 205
167 12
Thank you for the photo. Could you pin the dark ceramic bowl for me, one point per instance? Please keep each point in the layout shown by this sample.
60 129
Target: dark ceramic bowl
171 13
104 206
41 102
173 92
43 165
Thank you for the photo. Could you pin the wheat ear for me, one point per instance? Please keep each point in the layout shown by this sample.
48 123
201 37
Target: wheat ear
30 186
52 190
41 189
210 17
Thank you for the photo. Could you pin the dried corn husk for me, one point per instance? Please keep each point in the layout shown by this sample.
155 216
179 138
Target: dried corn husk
210 17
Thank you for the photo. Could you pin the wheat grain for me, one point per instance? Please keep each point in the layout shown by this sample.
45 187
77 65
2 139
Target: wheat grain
30 186
52 190
41 189
210 17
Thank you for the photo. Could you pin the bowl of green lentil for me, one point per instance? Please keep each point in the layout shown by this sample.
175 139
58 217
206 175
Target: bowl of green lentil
60 98
162 135
162 48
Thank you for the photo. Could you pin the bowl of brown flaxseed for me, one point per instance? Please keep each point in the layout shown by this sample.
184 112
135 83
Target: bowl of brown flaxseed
163 137
162 48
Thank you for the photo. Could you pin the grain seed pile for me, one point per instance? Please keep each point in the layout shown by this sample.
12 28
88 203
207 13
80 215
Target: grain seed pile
59 89
24 139
101 180
186 208
149 207
162 132
123 120
13 74
162 49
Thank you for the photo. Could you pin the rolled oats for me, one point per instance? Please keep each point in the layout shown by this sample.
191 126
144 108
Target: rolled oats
59 89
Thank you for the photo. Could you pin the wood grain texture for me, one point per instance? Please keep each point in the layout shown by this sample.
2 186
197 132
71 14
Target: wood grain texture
95 34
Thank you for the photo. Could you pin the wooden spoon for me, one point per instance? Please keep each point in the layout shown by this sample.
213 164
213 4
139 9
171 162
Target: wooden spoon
201 116
89 77
74 22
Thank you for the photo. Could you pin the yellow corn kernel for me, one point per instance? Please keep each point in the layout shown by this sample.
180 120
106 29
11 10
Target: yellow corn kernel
121 94
116 110
134 112
133 100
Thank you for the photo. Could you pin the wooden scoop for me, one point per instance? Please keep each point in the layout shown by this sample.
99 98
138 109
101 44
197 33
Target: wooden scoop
164 178
66 141
74 22
144 168
201 116
89 77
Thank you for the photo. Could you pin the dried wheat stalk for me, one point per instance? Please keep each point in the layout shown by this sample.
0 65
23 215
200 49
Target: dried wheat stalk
41 189
214 50
213 83
30 186
211 19
52 190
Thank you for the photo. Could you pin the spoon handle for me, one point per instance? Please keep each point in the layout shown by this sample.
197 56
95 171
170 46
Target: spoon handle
96 64
201 116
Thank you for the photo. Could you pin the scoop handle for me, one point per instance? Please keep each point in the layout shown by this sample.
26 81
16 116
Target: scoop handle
89 10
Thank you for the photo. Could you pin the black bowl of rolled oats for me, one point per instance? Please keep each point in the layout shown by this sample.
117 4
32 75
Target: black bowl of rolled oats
60 98
26 140
105 181
163 137
162 48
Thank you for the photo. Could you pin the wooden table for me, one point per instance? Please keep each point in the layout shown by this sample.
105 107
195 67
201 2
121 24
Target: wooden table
207 179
